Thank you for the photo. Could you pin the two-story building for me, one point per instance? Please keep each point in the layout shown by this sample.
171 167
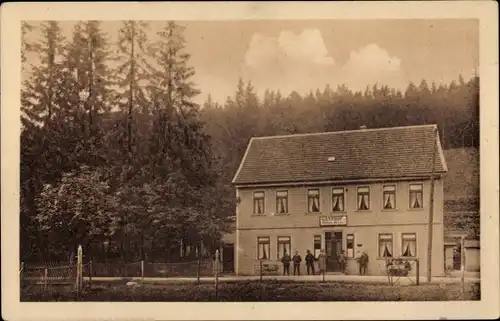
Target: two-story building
367 188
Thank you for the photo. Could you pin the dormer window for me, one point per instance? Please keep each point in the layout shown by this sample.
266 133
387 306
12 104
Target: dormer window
282 202
258 203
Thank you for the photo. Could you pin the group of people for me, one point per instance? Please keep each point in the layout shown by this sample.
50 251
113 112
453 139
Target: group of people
296 260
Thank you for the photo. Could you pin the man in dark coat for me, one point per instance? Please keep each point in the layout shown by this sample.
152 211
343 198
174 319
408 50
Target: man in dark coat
296 263
286 263
310 262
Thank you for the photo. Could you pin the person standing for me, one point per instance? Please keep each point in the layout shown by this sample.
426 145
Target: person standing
322 262
359 254
296 263
286 263
363 263
341 259
309 262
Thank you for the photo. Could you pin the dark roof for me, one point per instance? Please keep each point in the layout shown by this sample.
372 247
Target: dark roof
397 152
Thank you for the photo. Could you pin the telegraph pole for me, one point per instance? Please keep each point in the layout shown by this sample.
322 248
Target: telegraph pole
431 208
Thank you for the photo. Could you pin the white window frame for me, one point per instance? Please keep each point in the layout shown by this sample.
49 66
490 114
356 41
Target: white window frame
402 244
421 193
394 192
309 196
369 198
343 199
262 240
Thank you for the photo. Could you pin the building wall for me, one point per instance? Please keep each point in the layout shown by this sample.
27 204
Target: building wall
301 226
472 259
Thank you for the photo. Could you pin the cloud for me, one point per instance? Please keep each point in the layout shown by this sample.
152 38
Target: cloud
301 62
307 47
288 62
369 65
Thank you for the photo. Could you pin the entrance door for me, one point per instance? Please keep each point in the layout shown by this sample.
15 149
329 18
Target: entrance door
333 245
228 258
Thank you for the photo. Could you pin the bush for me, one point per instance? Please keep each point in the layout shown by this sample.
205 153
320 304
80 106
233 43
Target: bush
268 290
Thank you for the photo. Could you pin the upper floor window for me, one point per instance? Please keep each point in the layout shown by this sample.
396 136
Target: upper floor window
363 198
350 245
416 196
389 197
313 200
284 246
385 245
338 199
282 202
258 203
317 245
409 244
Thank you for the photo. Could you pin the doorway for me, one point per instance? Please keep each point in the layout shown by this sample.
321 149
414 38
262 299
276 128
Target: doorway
333 245
228 258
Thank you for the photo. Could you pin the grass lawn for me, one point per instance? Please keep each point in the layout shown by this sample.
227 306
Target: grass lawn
268 290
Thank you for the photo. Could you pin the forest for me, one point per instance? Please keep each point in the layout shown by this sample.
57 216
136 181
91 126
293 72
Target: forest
123 161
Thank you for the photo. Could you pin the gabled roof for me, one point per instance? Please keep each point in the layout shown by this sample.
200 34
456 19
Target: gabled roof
398 152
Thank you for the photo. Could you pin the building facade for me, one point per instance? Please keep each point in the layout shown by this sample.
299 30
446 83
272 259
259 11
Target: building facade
345 191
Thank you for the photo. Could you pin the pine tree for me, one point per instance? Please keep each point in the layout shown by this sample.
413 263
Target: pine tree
37 98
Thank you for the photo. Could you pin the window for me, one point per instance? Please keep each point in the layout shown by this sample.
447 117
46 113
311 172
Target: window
284 246
416 196
258 203
385 245
409 244
317 245
350 245
389 197
338 199
263 248
363 198
313 200
282 202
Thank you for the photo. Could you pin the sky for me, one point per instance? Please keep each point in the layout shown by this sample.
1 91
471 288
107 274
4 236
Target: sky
304 55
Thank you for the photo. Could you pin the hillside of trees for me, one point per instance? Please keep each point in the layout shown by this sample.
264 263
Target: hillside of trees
124 162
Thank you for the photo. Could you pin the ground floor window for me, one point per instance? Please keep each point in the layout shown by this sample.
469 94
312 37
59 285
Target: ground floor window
263 248
409 244
385 245
317 245
350 245
284 246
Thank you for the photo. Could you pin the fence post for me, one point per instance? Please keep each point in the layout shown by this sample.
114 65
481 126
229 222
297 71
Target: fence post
260 263
142 271
217 275
418 271
79 271
45 277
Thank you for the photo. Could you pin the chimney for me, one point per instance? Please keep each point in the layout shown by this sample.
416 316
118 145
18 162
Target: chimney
362 127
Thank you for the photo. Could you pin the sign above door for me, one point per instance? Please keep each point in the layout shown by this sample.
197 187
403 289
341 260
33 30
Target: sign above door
333 220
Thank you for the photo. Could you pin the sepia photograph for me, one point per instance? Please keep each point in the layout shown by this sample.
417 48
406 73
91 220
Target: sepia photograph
185 158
